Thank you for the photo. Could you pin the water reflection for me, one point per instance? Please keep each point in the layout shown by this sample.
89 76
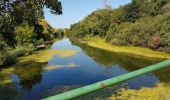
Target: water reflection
9 92
126 61
163 75
29 74
33 80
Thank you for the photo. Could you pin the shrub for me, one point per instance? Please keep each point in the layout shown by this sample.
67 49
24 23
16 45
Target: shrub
24 34
1 58
39 42
135 40
154 42
9 58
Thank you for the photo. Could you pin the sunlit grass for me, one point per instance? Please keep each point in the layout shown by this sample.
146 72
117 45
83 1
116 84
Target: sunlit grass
100 43
46 55
160 92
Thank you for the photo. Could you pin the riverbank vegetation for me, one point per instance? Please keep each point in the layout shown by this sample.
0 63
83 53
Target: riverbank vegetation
142 23
23 27
31 65
98 42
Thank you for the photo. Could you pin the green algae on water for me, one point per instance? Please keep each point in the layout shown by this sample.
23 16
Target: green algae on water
100 43
46 55
5 75
160 92
70 65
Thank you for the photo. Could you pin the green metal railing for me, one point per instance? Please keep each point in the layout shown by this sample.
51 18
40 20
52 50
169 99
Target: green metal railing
106 83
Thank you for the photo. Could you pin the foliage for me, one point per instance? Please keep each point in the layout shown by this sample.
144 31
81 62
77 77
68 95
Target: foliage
22 23
44 31
8 58
140 23
24 34
14 13
59 33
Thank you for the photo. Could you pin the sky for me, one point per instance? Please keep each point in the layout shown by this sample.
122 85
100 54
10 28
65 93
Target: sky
75 10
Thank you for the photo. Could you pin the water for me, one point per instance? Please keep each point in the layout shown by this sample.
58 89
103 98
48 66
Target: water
31 82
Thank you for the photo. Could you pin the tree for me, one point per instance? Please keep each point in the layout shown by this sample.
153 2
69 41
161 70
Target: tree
15 12
142 23
24 34
20 24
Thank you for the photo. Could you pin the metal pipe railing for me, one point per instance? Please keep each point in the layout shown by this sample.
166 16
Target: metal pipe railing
106 83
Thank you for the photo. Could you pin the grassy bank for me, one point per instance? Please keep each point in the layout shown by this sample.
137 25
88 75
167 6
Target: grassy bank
100 43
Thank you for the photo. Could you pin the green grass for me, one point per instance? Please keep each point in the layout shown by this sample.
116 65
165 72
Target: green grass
100 43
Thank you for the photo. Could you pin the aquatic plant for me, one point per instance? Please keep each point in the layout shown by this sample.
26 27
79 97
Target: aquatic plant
160 92
46 55
70 65
100 43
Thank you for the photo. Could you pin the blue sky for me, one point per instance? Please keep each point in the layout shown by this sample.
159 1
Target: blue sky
76 10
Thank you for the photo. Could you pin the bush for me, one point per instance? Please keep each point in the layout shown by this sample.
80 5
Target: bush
140 23
39 42
1 58
154 42
8 58
3 52
24 34
135 40
21 51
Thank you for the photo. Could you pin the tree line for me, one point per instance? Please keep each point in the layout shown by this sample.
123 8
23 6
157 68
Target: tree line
22 26
143 23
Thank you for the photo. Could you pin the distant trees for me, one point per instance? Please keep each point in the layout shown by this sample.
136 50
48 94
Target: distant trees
139 23
59 33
